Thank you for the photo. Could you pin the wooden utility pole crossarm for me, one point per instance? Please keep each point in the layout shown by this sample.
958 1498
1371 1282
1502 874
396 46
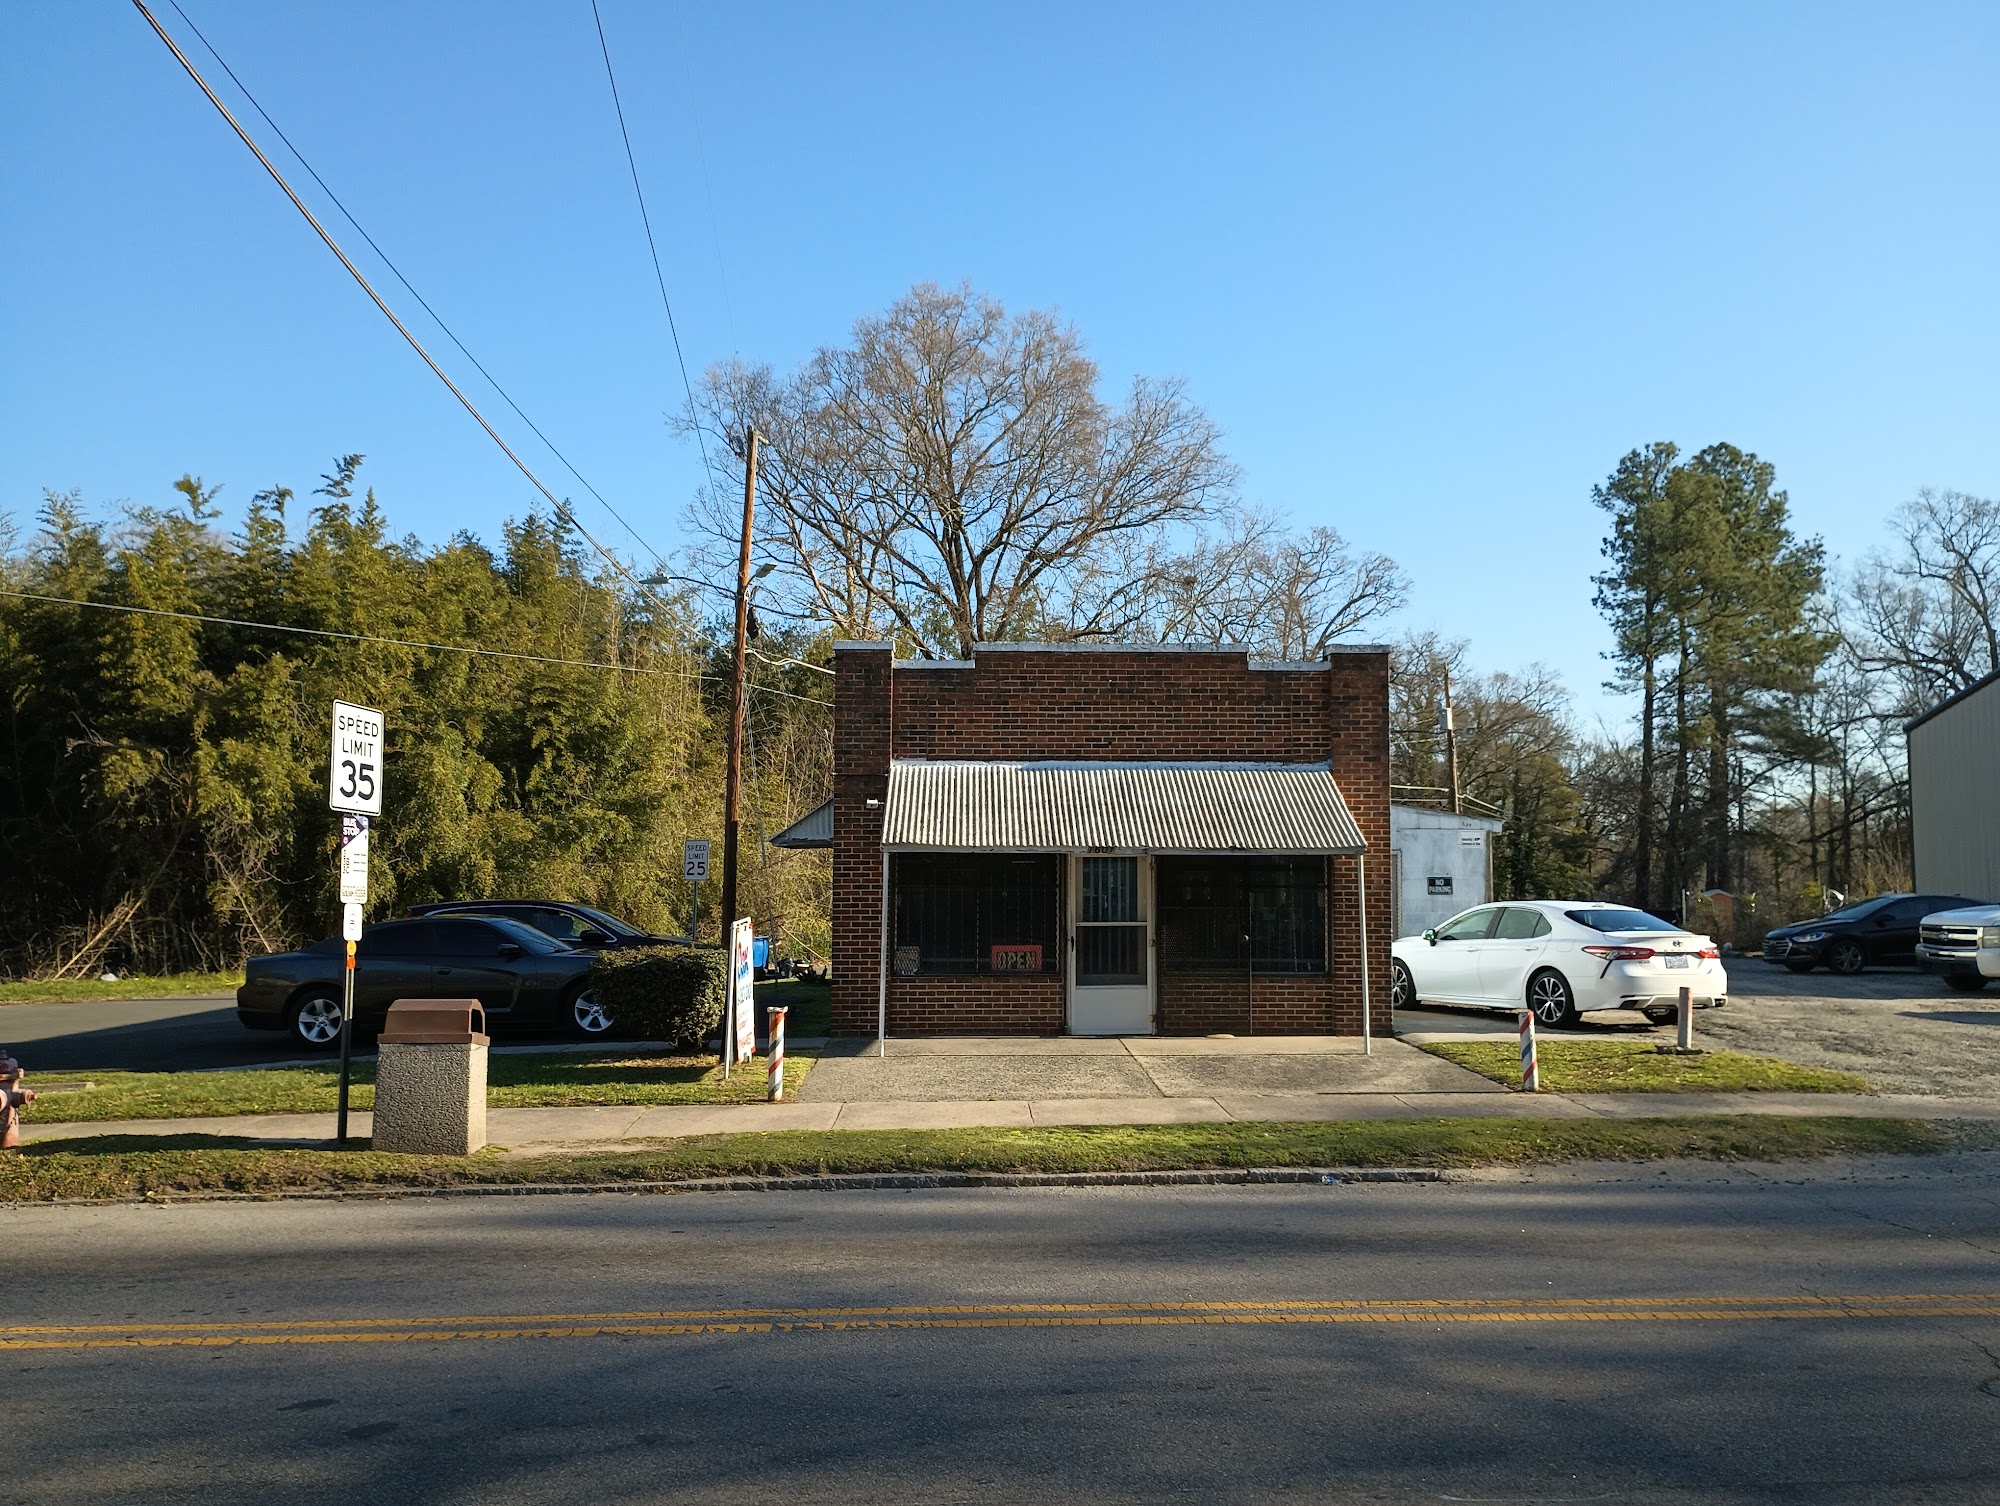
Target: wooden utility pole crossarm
732 796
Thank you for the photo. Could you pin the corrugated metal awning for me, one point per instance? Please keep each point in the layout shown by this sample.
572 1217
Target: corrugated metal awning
1068 806
813 829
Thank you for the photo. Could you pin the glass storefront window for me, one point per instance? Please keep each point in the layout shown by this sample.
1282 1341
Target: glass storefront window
1262 914
976 913
1111 889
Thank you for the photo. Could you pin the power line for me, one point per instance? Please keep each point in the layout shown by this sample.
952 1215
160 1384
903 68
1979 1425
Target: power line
440 648
707 185
632 162
397 272
562 509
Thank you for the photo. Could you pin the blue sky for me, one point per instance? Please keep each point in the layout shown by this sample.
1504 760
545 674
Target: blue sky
1432 267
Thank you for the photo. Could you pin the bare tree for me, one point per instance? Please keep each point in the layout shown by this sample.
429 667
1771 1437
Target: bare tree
950 476
1285 595
1930 609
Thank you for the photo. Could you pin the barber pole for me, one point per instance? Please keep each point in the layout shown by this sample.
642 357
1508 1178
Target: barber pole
1531 1079
776 1015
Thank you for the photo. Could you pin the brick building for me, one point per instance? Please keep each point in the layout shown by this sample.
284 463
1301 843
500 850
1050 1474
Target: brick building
1098 839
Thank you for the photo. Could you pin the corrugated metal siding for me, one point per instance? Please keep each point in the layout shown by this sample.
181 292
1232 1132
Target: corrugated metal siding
1130 807
1955 797
813 829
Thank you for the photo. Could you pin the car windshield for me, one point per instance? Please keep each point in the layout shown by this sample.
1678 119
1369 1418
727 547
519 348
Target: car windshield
1618 918
526 935
609 923
1857 912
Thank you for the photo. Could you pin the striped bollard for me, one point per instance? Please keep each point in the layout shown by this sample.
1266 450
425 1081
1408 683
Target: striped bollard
1531 1077
776 1015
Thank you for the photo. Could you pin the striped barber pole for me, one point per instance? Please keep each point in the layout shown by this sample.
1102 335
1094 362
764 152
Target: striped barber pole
776 1015
1531 1078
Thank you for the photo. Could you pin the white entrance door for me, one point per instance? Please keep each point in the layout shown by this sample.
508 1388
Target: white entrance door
1111 960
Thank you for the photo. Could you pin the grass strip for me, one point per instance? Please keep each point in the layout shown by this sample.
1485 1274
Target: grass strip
70 990
1635 1067
532 1080
131 1166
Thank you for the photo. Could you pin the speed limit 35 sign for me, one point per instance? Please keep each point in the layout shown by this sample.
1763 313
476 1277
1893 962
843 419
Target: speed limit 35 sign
354 777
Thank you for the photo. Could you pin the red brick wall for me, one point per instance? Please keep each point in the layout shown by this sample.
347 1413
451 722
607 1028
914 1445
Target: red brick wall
1268 1004
1116 704
862 727
974 1006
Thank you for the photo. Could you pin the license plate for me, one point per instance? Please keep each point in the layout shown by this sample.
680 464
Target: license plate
1674 959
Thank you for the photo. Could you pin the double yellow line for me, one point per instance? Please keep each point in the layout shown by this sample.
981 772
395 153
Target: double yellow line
1433 1310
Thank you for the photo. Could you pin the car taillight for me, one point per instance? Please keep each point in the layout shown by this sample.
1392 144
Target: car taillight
1620 953
1710 951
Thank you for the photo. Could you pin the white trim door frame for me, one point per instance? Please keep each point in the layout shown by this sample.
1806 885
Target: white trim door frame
1112 974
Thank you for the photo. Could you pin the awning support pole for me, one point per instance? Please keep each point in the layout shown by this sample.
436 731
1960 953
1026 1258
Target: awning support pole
1361 889
882 987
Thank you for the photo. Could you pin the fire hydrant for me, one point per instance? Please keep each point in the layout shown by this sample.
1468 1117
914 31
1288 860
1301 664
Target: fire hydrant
13 1098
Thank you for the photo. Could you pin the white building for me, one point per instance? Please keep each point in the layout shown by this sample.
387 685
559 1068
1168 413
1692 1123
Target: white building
1440 864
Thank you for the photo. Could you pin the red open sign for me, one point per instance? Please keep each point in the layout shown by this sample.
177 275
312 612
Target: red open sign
1017 959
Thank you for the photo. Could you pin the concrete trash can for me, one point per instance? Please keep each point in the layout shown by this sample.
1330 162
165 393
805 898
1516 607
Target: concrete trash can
430 1078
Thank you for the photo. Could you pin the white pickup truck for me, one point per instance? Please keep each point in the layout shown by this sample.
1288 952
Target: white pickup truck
1961 946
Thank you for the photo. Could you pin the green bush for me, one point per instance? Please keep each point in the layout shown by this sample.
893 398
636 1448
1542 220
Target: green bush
670 993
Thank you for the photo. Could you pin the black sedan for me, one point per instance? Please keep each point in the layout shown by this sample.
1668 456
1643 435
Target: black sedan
1875 932
579 925
525 979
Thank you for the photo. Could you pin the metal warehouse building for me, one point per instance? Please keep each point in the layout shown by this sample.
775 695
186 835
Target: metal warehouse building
1955 792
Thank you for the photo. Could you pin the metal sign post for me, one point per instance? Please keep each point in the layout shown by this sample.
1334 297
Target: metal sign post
694 868
354 788
350 931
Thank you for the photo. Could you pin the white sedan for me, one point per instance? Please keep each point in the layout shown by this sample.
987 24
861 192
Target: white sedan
1560 959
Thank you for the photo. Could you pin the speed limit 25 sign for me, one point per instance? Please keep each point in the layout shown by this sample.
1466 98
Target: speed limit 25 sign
354 777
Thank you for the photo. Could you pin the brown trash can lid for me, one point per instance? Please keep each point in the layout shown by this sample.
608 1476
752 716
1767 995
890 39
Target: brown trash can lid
434 1022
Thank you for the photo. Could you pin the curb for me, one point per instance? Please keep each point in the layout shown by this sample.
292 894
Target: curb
845 1182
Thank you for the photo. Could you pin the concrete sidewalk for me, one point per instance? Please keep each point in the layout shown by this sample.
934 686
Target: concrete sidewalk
951 1069
1011 1082
627 1128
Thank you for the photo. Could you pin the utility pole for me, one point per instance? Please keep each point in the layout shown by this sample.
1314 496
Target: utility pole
732 788
1447 724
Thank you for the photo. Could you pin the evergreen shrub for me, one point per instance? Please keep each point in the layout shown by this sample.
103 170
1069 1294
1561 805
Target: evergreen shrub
670 993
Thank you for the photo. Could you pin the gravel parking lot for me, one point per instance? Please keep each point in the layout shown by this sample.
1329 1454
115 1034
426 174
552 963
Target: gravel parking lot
1902 1030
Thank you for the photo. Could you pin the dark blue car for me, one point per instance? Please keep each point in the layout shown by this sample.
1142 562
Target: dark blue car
1874 933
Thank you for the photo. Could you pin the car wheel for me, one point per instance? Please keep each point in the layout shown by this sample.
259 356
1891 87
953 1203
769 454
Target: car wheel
587 1017
1846 958
314 1020
1550 999
1402 988
1967 983
1800 967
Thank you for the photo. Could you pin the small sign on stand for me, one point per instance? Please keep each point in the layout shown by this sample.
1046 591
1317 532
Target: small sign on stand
739 1027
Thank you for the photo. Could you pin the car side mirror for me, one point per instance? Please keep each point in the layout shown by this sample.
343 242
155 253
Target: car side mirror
1881 920
1431 937
509 950
593 938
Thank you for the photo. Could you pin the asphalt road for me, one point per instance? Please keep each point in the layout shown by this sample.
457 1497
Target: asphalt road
1637 1334
155 1035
